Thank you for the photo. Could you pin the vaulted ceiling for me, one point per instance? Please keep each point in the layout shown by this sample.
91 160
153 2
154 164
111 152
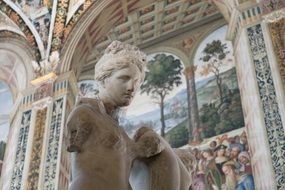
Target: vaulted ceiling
149 23
141 25
49 25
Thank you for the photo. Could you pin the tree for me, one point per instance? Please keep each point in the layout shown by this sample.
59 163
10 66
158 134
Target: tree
164 73
213 56
178 136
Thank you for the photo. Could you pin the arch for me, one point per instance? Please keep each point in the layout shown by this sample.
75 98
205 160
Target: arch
18 55
175 51
201 39
29 24
96 10
6 108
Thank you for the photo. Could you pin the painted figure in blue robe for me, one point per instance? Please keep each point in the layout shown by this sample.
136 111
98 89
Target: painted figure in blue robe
245 183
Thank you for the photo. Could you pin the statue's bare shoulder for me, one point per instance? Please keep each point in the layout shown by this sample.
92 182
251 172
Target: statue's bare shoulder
80 123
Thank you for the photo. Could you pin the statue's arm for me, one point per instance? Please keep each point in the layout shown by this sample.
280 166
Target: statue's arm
148 143
79 127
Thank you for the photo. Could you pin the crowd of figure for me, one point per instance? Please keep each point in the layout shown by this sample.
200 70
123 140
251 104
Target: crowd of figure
224 166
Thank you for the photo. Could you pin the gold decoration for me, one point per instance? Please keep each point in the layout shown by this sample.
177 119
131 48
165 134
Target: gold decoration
275 16
277 31
49 77
46 66
34 168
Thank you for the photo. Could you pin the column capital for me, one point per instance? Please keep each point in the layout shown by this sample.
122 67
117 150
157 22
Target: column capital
274 16
190 70
243 16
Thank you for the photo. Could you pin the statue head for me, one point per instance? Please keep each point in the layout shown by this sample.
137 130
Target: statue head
120 72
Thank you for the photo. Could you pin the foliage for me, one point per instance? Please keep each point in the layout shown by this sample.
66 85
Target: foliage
213 55
209 118
178 136
163 75
215 50
223 118
231 117
215 118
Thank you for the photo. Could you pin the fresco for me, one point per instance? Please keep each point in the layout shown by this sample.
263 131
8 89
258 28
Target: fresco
222 152
223 156
87 88
146 108
224 163
39 12
5 108
219 104
217 90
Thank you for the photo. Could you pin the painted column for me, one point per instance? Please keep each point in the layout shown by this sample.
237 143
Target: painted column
261 92
194 136
39 160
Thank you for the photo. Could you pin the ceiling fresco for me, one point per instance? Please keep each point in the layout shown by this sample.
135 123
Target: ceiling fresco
47 24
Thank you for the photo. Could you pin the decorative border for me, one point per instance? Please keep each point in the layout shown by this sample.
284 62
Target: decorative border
9 34
278 38
61 29
271 5
272 118
52 153
21 151
16 18
75 17
34 168
60 19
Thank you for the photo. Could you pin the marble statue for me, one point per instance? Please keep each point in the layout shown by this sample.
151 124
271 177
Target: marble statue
102 154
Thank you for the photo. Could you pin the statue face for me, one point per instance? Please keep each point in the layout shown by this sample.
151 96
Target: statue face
121 86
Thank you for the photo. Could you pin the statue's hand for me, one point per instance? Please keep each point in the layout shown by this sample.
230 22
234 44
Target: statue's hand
148 143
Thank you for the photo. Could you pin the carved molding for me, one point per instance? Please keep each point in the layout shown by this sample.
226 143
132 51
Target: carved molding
272 118
278 39
21 151
275 16
37 148
52 149
271 5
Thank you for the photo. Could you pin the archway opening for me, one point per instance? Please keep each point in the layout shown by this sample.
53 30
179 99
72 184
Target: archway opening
6 99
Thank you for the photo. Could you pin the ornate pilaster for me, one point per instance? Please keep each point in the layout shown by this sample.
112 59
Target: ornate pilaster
21 149
40 157
267 93
260 88
37 147
52 154
276 24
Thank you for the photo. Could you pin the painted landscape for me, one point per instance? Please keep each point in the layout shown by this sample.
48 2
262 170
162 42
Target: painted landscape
214 120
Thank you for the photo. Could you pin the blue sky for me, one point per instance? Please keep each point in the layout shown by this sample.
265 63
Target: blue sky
6 103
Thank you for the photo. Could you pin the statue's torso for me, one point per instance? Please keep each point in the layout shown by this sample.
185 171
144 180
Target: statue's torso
106 156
